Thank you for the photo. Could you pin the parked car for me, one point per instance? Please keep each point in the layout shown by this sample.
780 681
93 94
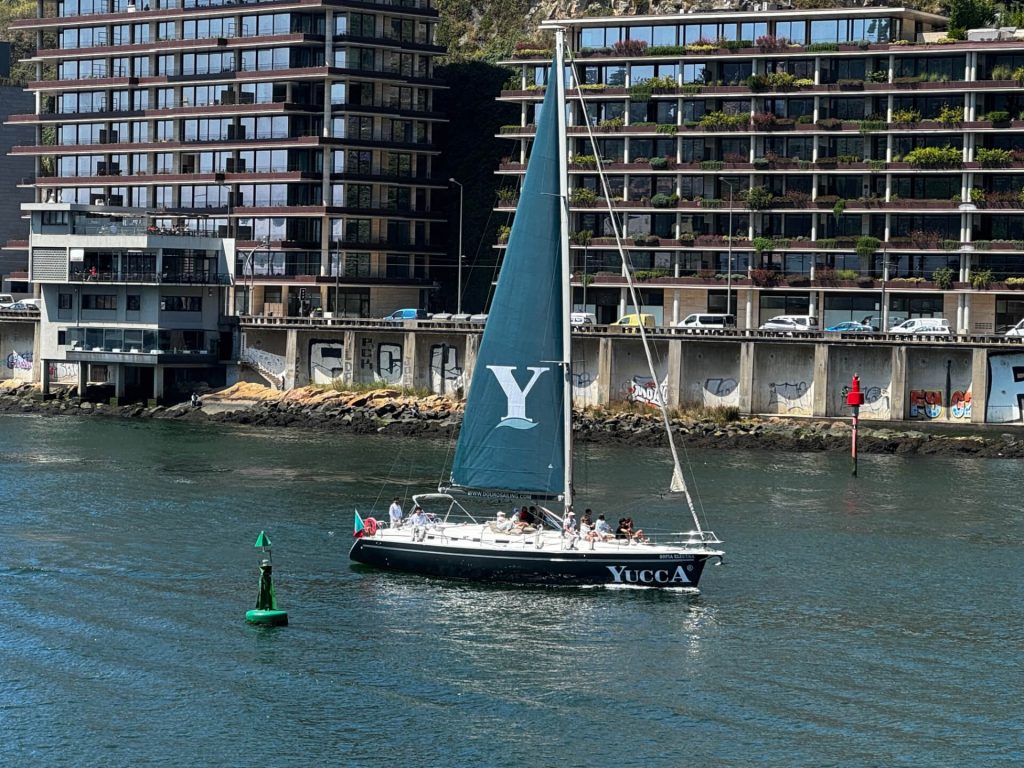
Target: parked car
700 320
582 318
850 326
791 323
923 325
23 306
1017 330
407 314
635 321
6 300
478 318
875 321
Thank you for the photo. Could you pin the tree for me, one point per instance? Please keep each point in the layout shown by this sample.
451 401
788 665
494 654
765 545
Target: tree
22 43
969 14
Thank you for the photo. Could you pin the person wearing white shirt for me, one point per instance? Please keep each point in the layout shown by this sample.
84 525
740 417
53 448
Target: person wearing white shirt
395 513
602 529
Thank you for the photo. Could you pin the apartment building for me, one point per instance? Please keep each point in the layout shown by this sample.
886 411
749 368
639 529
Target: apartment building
302 129
851 163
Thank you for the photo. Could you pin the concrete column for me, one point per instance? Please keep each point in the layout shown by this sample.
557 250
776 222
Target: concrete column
673 378
348 362
819 404
472 351
83 379
291 357
158 383
746 382
898 385
410 374
44 377
979 385
604 371
118 383
750 308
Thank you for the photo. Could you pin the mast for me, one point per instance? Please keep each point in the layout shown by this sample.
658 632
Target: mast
558 75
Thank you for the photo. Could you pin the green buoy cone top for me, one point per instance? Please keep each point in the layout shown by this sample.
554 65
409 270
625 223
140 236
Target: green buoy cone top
262 540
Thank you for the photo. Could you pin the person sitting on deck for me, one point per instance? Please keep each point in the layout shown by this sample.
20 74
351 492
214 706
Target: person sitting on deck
636 535
504 524
623 532
602 530
587 527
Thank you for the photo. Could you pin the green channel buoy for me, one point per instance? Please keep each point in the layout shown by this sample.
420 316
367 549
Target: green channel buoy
266 611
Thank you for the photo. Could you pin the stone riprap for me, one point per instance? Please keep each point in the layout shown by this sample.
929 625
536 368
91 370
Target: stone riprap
387 411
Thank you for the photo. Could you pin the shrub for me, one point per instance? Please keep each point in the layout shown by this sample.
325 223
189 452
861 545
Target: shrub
977 196
763 244
943 278
720 121
766 278
764 120
503 232
816 47
998 116
951 115
981 279
507 195
583 197
613 122
830 123
662 200
583 237
768 43
934 157
758 198
712 165
665 128
642 91
658 163
1002 72
584 161
867 245
839 207
993 158
781 80
907 116
666 50
847 274
630 48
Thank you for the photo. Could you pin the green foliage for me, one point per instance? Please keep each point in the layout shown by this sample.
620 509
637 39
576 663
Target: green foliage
583 237
584 161
951 115
758 198
981 279
665 128
906 116
658 163
998 116
763 244
722 121
943 278
503 232
583 197
22 43
847 274
817 47
839 207
867 245
662 200
970 14
977 196
934 157
642 91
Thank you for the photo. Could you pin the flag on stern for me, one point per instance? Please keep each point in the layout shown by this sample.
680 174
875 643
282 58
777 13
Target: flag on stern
359 526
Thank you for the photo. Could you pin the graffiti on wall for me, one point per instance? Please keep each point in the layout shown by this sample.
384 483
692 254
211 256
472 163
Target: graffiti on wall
929 404
584 380
1005 402
63 371
446 374
719 391
19 361
790 397
326 361
389 363
644 389
876 401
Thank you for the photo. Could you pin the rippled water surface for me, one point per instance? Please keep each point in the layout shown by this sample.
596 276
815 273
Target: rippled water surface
857 622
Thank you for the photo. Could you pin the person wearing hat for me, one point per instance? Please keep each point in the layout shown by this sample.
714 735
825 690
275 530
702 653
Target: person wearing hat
395 513
569 529
504 523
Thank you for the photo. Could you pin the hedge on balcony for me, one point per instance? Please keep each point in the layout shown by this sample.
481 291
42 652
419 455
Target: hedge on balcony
934 157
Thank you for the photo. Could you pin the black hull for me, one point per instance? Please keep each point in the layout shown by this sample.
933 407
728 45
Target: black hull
551 568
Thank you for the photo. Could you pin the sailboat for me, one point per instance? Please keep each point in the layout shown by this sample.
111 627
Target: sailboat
515 444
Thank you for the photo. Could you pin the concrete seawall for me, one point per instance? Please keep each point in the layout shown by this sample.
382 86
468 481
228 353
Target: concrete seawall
908 379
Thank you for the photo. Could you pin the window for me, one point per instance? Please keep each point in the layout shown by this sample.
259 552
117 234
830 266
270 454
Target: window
64 300
181 303
99 301
134 302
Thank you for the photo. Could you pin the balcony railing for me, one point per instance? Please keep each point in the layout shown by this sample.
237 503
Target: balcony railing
130 276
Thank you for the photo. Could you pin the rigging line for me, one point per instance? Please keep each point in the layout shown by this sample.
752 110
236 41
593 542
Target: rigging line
678 481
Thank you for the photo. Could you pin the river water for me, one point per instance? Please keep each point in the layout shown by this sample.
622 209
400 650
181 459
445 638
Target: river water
873 621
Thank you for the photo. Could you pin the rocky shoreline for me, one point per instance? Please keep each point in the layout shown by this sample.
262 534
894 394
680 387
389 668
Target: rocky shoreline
387 411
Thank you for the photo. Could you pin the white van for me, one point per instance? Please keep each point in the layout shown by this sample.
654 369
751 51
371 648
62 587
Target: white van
791 323
924 325
707 320
582 318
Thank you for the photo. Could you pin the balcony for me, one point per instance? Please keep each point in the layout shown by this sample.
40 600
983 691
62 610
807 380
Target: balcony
90 275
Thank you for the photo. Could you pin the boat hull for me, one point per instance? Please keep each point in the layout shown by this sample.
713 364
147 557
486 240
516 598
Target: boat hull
636 566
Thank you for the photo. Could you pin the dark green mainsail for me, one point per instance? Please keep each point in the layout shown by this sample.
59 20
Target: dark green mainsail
513 432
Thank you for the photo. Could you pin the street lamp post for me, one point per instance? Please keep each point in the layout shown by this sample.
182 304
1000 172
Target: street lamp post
458 257
728 267
250 264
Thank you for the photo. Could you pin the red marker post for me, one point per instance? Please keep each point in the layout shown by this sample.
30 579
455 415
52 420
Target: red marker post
855 399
